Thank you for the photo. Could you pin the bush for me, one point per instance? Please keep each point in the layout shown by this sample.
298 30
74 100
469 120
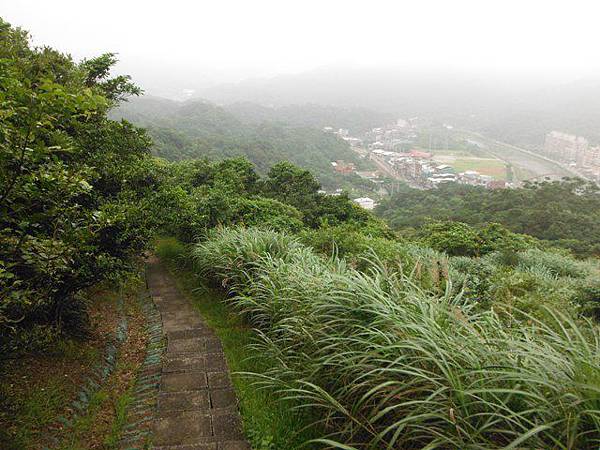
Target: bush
461 239
556 263
71 184
170 249
587 297
391 365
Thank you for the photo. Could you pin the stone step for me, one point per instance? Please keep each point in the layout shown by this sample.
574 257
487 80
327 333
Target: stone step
195 403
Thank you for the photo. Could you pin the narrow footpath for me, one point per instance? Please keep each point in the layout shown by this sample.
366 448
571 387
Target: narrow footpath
196 406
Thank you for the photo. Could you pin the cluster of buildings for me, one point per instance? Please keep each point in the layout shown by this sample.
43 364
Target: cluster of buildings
389 148
344 134
420 170
365 202
575 151
394 137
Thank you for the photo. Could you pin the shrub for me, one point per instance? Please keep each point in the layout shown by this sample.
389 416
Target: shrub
170 249
454 238
70 186
392 365
556 263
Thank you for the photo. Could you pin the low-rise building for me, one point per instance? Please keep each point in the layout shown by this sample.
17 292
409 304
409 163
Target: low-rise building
343 167
354 142
365 202
439 178
420 154
496 184
368 174
566 147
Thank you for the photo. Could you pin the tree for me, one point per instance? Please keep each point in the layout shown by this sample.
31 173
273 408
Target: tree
292 185
454 238
70 185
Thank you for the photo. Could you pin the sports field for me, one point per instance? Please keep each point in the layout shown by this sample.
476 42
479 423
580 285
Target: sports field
462 162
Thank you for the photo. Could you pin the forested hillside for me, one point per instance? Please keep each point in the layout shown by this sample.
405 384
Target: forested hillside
565 214
357 120
505 108
196 129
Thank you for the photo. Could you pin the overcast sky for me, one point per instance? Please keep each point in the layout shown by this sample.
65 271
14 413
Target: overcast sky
225 40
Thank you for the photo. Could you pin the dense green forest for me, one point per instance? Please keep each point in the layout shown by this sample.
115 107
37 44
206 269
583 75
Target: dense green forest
357 120
196 129
565 214
468 331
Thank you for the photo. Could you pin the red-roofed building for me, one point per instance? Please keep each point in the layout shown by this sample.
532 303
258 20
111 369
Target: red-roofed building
343 167
419 154
496 184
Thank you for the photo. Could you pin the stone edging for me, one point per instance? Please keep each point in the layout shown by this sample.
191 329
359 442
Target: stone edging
102 370
140 413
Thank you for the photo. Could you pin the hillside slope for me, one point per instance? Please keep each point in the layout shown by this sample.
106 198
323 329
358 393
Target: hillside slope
196 129
508 107
356 119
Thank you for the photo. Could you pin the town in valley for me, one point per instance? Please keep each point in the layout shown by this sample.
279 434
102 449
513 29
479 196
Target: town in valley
409 152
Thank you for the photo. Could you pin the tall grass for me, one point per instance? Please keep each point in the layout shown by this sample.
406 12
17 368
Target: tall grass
392 365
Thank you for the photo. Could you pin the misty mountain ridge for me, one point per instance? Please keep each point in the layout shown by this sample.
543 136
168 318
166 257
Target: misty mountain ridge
519 110
199 128
146 109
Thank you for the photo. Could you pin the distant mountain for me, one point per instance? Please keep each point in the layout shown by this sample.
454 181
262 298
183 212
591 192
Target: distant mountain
395 91
572 107
145 109
195 129
511 108
356 119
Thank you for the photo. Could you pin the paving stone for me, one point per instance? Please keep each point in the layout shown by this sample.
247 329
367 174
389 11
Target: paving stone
185 428
215 362
184 401
201 331
186 381
213 345
185 363
208 446
178 324
222 398
180 315
218 379
234 445
228 426
194 406
169 307
186 345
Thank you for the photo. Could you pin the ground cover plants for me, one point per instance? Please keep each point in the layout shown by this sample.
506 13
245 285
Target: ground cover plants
391 364
268 424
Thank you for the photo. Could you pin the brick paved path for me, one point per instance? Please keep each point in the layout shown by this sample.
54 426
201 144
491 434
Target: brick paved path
197 406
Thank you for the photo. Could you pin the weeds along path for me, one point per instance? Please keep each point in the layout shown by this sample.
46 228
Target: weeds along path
196 405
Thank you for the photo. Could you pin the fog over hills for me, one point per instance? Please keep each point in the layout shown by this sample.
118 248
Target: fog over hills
198 128
516 108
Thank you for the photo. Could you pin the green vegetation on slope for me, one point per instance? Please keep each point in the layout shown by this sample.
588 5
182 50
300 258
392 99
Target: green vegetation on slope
465 331
391 363
566 214
81 195
356 120
197 129
269 425
71 182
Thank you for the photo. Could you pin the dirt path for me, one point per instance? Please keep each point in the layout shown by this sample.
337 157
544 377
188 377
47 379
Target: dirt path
197 406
